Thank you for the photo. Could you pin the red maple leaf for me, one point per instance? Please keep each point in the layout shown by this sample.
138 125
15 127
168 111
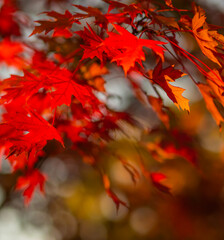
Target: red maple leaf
126 49
26 130
30 181
58 82
123 48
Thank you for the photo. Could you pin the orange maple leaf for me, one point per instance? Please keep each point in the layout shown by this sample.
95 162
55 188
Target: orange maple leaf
201 33
213 96
181 101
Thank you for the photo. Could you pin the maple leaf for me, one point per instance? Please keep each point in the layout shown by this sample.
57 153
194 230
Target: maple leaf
126 49
25 133
204 39
30 181
179 100
216 87
212 93
26 130
58 82
162 77
211 103
159 73
60 27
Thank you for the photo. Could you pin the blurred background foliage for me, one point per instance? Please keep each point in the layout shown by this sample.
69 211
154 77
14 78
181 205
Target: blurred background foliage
76 206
